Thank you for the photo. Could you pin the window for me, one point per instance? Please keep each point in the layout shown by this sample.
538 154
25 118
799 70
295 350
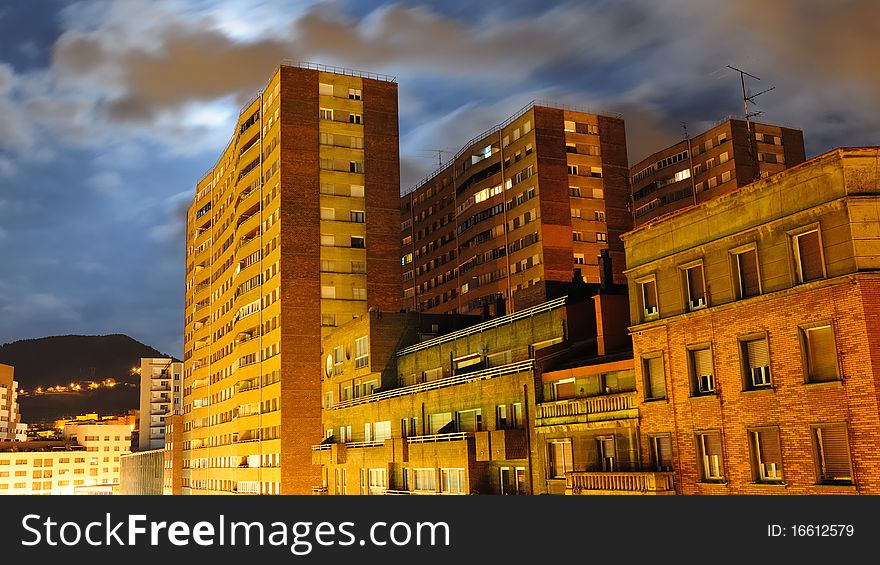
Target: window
355 119
568 125
572 169
328 240
579 259
575 212
709 453
570 148
378 481
756 362
600 215
325 89
563 389
702 374
833 463
601 236
661 452
607 453
357 216
648 296
326 114
357 242
807 248
577 236
560 458
745 273
517 415
328 214
328 292
425 480
452 481
359 293
357 190
694 289
362 352
655 377
440 422
766 455
501 417
382 431
820 354
354 93
355 166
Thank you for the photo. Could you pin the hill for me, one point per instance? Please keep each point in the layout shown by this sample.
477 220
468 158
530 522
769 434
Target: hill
58 360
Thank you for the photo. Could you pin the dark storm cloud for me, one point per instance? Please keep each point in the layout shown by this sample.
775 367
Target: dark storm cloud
111 110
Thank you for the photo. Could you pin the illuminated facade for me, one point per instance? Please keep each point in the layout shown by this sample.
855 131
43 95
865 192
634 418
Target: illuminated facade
530 200
161 395
293 232
11 427
755 336
732 154
86 460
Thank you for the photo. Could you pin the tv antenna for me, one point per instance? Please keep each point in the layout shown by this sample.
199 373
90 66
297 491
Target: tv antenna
747 97
439 152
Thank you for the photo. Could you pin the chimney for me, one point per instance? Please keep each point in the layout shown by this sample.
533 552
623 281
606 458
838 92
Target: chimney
606 275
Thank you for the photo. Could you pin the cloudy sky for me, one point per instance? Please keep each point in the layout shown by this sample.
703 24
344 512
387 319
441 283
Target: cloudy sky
111 110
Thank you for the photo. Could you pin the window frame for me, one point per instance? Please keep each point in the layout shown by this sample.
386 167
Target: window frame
745 361
755 456
803 334
646 383
567 463
736 271
641 282
653 453
684 274
704 476
818 456
692 369
794 250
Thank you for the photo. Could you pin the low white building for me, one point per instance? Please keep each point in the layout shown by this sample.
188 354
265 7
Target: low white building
86 461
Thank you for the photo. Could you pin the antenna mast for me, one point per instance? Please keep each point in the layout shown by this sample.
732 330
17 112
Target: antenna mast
746 97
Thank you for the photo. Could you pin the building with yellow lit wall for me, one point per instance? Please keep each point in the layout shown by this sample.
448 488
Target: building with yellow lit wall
293 232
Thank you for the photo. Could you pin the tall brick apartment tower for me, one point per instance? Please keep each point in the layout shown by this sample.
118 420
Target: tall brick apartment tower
721 159
292 232
528 201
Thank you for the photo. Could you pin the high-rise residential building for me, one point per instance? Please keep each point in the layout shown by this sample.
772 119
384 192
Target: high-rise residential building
292 232
527 201
161 395
754 327
85 461
11 427
731 154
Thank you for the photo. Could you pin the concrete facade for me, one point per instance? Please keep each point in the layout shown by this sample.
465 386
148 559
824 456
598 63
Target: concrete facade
161 391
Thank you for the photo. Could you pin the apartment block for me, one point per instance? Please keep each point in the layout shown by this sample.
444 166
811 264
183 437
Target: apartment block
161 391
755 337
85 461
730 155
293 232
529 200
172 460
457 413
11 427
142 473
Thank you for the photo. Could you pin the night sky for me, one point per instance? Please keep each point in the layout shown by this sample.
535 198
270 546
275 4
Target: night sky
110 111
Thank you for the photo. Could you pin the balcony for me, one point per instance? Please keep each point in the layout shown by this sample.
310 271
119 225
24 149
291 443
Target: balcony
644 482
603 408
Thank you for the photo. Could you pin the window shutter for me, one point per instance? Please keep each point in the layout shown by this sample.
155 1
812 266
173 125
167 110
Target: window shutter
758 353
810 256
768 441
748 273
702 362
565 390
656 377
663 452
822 354
695 283
712 455
834 453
